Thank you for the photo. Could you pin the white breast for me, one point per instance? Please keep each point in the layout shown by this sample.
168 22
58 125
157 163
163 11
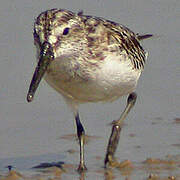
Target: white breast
117 77
113 78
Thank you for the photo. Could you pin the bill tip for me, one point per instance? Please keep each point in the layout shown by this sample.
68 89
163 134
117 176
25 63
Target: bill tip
29 97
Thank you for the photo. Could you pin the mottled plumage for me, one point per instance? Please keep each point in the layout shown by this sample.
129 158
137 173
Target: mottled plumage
86 59
88 48
97 34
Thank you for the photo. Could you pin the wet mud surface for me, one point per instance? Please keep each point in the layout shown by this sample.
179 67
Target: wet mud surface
166 168
150 169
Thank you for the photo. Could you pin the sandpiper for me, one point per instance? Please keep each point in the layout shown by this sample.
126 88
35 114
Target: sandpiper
88 59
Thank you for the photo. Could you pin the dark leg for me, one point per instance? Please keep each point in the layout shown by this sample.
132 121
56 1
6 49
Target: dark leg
116 129
81 134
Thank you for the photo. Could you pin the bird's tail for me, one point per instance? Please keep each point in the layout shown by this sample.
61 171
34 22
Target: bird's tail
145 36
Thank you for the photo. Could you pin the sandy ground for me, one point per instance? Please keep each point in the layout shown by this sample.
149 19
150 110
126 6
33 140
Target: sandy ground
167 168
161 169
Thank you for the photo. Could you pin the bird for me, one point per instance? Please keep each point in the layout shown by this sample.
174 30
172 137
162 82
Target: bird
88 59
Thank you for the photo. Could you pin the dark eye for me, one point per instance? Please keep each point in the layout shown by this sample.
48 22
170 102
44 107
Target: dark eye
66 31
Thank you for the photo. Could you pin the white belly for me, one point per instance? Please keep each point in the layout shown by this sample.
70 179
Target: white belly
112 79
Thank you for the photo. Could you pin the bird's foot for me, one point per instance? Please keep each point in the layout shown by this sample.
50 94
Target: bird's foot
110 161
82 168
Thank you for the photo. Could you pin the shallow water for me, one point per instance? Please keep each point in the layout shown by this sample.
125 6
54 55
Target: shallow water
32 133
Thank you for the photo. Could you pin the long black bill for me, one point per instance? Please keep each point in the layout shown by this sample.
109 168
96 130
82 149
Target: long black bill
46 56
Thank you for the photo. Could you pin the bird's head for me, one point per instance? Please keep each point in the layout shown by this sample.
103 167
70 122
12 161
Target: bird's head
57 33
